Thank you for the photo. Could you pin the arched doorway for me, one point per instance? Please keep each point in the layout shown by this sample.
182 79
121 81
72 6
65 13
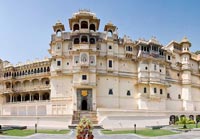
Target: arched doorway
172 119
84 105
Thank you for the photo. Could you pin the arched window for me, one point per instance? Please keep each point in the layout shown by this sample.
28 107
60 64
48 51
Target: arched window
48 69
161 91
179 96
45 96
19 98
45 69
27 97
110 92
76 40
155 90
145 90
36 96
84 25
32 71
128 93
92 27
84 39
38 70
109 47
35 71
58 33
168 95
92 41
110 33
76 27
41 69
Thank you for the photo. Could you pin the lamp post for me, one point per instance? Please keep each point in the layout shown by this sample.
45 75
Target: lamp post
135 128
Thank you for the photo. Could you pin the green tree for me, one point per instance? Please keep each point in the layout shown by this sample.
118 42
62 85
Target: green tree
197 52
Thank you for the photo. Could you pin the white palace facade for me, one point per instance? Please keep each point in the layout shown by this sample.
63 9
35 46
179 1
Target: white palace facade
117 82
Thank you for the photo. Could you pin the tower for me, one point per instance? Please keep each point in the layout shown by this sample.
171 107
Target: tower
186 74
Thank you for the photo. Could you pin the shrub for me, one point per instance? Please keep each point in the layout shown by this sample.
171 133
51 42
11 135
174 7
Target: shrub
190 122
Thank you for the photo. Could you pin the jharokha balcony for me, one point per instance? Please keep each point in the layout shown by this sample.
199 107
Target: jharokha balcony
27 89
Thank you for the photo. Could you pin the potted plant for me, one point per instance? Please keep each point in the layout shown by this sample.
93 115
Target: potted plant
84 129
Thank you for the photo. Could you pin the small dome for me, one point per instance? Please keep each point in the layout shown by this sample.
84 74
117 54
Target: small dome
185 40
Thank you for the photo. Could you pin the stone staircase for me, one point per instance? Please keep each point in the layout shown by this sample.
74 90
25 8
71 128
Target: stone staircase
92 115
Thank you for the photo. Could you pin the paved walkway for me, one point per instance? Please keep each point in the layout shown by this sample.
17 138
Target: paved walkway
98 135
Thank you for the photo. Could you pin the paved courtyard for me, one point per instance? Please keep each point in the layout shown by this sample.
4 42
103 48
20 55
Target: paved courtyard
98 135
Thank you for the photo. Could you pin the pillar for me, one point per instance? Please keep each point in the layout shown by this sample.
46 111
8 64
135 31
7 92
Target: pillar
94 102
74 101
10 97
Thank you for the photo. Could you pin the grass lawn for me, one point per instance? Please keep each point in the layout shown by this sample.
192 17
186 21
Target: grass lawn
27 132
153 133
143 132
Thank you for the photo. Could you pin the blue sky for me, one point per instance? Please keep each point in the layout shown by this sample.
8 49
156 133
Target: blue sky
26 25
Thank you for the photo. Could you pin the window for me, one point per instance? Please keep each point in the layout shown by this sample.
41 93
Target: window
169 57
110 63
76 41
92 27
128 93
161 91
84 24
84 39
146 68
58 46
98 47
168 95
145 90
155 90
92 41
58 33
110 92
155 67
84 77
178 74
160 70
76 27
47 82
179 96
58 63
67 63
84 58
76 59
110 47
110 33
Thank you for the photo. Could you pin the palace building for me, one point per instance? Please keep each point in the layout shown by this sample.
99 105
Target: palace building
115 81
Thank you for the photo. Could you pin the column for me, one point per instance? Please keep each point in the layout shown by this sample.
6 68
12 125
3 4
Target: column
10 97
30 97
94 102
21 97
39 96
74 101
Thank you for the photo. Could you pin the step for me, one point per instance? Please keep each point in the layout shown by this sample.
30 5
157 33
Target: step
95 126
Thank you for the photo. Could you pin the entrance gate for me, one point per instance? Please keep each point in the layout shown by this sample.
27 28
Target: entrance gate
84 99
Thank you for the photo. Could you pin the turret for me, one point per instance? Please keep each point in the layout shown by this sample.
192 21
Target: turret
58 28
84 21
111 30
185 43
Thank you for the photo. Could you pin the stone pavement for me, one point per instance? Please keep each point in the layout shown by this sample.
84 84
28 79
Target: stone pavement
98 135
